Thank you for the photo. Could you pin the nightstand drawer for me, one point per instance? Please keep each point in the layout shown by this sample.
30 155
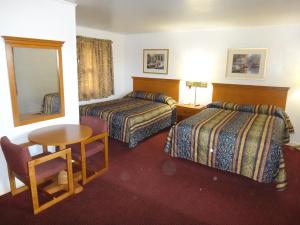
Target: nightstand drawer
187 111
184 111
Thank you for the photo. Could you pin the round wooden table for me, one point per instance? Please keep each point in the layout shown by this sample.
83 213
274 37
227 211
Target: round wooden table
61 135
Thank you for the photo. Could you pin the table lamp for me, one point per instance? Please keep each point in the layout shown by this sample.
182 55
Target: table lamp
196 85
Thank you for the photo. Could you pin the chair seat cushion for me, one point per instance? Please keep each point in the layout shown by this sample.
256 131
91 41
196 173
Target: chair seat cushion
90 149
50 168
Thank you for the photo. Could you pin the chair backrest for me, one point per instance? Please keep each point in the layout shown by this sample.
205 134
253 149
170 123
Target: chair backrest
16 156
98 125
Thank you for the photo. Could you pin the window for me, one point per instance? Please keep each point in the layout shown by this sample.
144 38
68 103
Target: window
95 68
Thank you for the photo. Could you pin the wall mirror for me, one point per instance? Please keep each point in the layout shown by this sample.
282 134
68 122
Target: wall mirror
36 79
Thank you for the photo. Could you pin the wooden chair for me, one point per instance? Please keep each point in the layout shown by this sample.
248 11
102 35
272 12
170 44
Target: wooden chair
91 148
34 171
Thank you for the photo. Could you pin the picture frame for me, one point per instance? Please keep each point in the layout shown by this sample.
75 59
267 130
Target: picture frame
246 63
155 61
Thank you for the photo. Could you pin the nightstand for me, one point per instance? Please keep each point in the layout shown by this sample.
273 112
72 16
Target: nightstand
184 111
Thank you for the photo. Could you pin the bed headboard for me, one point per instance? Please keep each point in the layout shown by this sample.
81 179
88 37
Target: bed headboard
168 87
250 94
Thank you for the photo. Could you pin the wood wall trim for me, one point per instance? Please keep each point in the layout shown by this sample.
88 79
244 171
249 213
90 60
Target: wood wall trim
31 42
250 94
168 87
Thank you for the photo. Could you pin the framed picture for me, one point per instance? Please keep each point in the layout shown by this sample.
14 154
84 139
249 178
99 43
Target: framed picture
246 63
156 61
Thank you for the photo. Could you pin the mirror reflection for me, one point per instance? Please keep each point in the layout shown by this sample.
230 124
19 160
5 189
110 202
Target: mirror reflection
37 83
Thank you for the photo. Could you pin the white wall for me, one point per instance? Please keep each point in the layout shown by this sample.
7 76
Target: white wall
202 55
118 47
47 19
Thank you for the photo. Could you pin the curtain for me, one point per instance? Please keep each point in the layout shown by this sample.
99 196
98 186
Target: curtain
95 68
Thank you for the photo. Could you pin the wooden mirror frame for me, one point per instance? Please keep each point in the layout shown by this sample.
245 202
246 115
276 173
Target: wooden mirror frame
10 43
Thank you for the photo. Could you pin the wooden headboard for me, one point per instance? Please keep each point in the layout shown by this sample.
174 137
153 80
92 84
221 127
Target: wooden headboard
168 87
250 94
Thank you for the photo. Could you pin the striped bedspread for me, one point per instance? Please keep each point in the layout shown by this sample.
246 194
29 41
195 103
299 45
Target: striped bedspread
51 103
240 141
132 119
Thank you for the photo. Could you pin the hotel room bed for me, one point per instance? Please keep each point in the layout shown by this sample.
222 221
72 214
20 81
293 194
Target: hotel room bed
135 117
51 103
241 139
245 139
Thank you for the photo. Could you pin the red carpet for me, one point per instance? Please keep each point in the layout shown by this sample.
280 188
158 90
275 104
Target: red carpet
145 186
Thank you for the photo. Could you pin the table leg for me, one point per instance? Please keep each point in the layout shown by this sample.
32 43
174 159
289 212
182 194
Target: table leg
61 182
45 149
76 177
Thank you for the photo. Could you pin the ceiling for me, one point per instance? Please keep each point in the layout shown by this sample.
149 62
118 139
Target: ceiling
141 16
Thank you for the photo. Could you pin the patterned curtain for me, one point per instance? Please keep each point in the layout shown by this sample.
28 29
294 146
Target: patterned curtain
95 68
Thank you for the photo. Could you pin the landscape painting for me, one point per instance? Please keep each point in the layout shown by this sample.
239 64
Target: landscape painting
246 63
155 61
